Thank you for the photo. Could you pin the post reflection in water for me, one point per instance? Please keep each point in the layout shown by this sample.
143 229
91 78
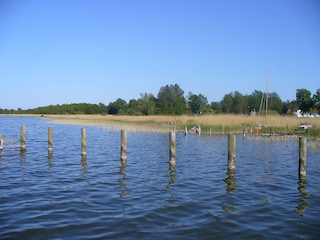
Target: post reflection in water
49 155
23 155
49 164
231 186
122 181
84 166
23 158
230 181
172 175
301 208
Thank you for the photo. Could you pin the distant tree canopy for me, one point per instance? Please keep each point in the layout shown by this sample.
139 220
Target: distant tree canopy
198 103
73 108
304 100
171 101
316 99
255 102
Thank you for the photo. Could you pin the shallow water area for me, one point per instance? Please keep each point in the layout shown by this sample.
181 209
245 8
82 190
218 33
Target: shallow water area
65 196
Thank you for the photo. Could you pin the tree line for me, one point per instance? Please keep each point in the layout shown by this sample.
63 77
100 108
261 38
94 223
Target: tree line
171 100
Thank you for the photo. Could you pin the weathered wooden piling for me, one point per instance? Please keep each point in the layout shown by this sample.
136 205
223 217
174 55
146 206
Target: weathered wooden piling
123 149
50 149
231 151
1 142
172 148
83 142
23 141
302 157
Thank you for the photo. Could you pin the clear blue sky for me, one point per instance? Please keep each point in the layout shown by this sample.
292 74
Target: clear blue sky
75 51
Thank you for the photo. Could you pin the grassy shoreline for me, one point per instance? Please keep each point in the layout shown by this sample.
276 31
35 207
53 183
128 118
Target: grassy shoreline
214 124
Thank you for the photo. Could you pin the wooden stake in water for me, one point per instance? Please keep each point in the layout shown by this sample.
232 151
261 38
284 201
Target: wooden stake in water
50 149
83 142
172 148
123 149
1 142
23 144
231 151
302 157
186 131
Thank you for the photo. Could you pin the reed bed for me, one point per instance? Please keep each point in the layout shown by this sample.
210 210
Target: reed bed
208 123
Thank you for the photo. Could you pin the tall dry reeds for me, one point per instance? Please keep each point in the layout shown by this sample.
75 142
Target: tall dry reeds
215 123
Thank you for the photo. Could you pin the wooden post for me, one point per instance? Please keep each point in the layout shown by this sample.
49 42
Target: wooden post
50 149
1 142
23 145
83 142
186 131
302 157
231 151
123 149
172 148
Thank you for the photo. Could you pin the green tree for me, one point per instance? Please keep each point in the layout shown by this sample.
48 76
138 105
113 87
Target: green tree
171 100
316 100
254 100
216 107
148 104
304 100
133 107
118 107
197 103
103 109
275 102
239 105
227 103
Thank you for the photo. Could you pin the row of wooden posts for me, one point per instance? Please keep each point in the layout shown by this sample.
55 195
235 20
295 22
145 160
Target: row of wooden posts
172 148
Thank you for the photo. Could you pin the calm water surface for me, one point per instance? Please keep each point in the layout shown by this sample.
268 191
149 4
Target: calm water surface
67 197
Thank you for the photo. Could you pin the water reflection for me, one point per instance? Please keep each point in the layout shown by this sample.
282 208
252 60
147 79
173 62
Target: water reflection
301 208
49 164
84 166
230 181
23 154
122 181
23 158
172 175
49 160
23 163
49 155
231 186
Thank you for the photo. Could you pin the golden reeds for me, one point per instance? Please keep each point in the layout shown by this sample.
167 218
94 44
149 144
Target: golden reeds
165 123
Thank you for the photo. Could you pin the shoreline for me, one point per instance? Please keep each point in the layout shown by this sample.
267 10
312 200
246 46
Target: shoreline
210 124
106 122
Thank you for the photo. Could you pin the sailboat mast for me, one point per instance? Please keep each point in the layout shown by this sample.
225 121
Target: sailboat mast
267 97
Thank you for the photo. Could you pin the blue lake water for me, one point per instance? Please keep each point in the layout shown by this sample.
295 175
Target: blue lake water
67 197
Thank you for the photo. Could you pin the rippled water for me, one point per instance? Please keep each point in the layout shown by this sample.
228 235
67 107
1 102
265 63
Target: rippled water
67 197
